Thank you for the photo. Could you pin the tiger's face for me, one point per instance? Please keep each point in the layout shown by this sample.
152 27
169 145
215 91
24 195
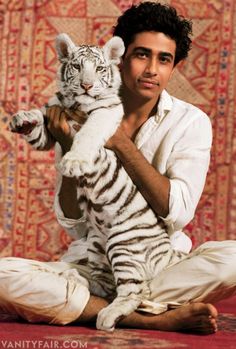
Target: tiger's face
88 72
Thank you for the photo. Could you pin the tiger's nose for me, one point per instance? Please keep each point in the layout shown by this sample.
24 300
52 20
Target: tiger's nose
86 87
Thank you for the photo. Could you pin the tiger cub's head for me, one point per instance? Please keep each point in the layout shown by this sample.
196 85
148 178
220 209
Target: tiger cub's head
88 72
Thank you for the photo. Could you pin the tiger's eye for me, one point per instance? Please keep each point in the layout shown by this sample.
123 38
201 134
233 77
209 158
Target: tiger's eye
76 66
99 68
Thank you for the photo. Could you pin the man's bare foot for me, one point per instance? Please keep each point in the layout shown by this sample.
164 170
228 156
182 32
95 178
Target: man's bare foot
194 317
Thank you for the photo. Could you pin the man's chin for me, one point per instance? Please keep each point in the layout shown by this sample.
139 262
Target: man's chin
148 94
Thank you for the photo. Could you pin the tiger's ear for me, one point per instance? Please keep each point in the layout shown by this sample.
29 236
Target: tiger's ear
114 49
64 46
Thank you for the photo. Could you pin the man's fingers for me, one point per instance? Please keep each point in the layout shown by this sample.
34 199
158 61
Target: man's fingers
76 115
57 119
76 127
52 111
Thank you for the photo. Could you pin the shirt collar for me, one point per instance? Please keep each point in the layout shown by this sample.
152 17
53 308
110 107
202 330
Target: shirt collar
164 106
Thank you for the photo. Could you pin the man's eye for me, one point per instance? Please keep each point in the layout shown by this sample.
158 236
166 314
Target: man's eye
141 54
165 60
76 66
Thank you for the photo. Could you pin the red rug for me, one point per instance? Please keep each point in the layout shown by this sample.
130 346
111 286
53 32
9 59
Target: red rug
28 64
15 334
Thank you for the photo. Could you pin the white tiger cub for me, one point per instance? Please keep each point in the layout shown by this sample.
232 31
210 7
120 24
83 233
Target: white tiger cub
128 245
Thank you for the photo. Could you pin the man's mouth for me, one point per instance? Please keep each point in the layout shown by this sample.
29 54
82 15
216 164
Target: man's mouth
148 82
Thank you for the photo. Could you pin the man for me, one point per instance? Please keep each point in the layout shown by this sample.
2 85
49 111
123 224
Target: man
164 144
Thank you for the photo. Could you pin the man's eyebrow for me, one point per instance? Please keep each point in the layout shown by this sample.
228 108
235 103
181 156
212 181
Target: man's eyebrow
166 54
148 50
141 48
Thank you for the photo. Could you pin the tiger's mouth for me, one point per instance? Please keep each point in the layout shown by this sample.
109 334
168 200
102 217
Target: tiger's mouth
84 98
84 93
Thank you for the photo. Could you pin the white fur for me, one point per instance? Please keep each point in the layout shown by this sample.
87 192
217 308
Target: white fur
100 126
102 123
141 260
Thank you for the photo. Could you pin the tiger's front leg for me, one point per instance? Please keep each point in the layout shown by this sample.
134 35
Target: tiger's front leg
80 159
88 141
23 122
31 125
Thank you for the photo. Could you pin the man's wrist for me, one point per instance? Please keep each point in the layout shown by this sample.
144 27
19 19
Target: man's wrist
66 146
68 198
124 146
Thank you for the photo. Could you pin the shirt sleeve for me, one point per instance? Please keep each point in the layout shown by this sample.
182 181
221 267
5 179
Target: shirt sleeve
187 169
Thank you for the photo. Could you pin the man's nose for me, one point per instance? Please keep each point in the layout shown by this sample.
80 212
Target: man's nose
151 67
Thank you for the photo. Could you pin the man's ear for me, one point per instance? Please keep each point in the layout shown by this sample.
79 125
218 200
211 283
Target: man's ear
178 65
173 70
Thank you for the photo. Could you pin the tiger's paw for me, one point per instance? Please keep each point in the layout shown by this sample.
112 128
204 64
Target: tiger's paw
108 317
72 166
24 122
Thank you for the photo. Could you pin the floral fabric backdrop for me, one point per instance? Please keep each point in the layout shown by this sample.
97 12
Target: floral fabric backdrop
28 64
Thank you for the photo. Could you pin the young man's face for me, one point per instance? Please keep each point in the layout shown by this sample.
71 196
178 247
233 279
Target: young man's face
148 65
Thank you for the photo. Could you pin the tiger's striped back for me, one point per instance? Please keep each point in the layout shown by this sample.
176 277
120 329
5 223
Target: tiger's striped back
125 228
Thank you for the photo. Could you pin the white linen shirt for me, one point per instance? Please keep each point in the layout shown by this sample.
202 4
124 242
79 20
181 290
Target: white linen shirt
177 142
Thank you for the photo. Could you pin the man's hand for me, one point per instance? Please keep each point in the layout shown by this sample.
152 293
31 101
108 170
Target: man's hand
154 186
118 138
58 124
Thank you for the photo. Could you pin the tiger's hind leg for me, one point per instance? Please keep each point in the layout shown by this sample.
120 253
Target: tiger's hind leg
129 297
102 283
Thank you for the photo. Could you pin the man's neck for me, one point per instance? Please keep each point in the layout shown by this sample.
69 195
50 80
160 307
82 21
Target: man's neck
137 112
141 109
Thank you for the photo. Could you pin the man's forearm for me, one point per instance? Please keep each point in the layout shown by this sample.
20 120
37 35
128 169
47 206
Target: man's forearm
68 198
152 185
68 191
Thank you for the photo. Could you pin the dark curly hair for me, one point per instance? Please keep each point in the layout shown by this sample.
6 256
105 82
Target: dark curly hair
153 16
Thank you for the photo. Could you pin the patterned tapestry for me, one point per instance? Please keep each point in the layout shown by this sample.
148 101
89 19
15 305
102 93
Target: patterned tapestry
28 65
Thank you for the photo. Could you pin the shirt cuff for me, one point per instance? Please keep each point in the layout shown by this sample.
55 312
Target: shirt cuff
181 242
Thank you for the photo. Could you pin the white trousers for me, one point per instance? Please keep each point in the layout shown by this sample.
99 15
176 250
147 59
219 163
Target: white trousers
57 292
